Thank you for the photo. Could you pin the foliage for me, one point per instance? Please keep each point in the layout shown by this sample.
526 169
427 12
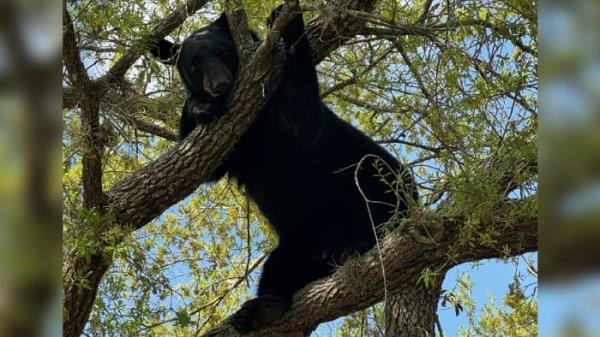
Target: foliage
455 97
515 317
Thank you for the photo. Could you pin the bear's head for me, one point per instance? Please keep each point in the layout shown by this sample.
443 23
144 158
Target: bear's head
206 60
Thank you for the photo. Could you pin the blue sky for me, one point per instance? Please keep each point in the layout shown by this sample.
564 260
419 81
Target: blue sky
491 277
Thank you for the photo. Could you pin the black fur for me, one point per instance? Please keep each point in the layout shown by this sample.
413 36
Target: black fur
297 162
165 51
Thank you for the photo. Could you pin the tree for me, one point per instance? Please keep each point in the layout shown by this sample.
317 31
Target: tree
449 87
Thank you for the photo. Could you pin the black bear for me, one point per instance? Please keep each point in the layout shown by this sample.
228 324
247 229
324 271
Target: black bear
323 185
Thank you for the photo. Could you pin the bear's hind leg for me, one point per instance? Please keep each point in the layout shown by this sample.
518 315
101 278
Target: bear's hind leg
287 270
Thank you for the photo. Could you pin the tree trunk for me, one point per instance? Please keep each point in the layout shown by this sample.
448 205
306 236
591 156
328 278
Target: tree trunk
81 279
412 312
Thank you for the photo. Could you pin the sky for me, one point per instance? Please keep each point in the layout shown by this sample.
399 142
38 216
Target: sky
491 278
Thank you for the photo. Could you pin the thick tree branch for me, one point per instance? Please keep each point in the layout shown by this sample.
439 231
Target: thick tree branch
358 284
69 98
145 194
81 278
82 274
93 195
239 29
142 196
412 311
329 30
84 88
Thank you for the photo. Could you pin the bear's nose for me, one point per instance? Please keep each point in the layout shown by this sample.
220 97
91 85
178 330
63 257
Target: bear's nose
221 87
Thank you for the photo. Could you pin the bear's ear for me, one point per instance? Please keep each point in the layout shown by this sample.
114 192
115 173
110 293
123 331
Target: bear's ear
165 51
222 23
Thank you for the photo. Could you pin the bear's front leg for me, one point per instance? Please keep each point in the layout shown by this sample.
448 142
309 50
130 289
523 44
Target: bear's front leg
197 111
203 111
259 312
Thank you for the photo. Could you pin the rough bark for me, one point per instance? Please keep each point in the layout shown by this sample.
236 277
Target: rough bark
412 311
81 279
145 194
90 116
140 197
330 30
360 283
78 297
72 61
82 274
